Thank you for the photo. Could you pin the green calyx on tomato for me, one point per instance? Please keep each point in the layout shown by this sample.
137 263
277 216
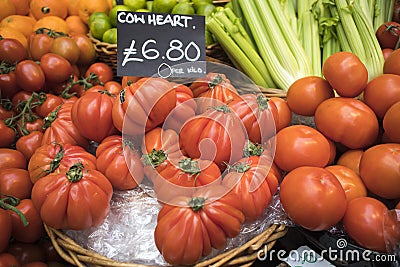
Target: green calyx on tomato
197 203
224 108
50 32
55 163
189 166
50 118
241 167
6 67
252 149
9 203
215 81
6 104
75 172
154 158
262 102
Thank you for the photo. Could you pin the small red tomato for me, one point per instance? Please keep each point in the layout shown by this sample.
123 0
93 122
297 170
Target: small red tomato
49 104
392 63
7 135
8 85
305 94
284 113
103 72
56 68
388 34
30 76
15 182
8 259
346 73
28 144
386 52
5 230
66 47
12 51
11 158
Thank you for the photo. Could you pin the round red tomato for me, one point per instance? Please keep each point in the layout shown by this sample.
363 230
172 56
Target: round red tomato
58 158
392 63
301 145
386 53
6 109
8 85
143 105
351 159
254 184
26 233
40 43
12 51
215 135
391 122
380 170
15 182
11 158
8 259
76 199
113 87
120 162
20 97
8 136
102 71
388 34
313 198
87 50
284 113
60 128
346 73
347 121
48 103
27 252
351 182
29 75
28 144
29 123
196 220
305 94
258 116
66 47
5 229
382 92
363 222
92 115
55 67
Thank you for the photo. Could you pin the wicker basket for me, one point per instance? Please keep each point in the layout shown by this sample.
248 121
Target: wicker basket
245 255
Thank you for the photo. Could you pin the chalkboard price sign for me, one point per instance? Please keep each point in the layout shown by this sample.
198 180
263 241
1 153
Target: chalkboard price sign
165 45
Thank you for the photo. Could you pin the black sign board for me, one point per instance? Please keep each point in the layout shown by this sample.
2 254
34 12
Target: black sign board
165 45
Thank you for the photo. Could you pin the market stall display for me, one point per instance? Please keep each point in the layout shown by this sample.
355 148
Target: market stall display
293 126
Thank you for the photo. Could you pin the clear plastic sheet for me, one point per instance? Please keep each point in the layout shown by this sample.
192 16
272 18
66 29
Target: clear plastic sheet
127 234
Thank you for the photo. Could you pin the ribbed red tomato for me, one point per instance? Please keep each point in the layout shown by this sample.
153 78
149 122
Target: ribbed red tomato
202 222
76 199
119 161
165 140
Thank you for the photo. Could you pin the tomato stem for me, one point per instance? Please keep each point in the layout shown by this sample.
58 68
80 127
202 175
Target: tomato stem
241 167
75 172
51 117
197 203
224 108
215 81
55 163
252 149
190 166
262 102
13 201
155 158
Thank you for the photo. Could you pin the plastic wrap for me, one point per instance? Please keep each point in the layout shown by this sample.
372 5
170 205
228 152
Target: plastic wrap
127 234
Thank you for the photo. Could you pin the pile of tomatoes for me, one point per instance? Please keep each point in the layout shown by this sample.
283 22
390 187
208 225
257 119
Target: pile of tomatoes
214 156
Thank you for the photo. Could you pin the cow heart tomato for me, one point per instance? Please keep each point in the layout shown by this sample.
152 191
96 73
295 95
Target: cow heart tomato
321 203
347 121
202 221
57 158
380 170
92 115
119 161
253 183
76 199
165 140
215 135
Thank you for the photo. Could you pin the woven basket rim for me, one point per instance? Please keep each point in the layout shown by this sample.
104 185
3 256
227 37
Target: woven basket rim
244 255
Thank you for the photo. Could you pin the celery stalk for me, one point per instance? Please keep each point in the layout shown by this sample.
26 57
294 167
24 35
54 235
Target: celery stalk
226 40
308 33
289 10
345 11
374 58
281 76
380 14
389 10
231 15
